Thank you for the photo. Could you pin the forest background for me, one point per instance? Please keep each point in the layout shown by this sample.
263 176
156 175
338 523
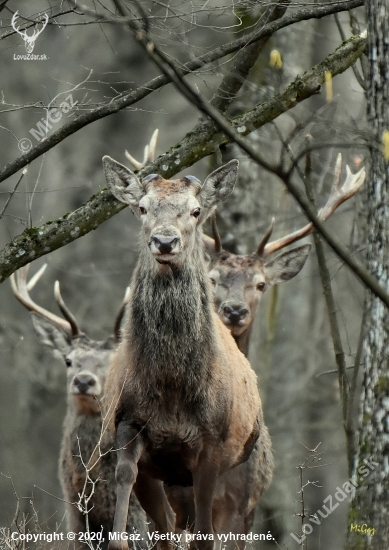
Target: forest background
106 71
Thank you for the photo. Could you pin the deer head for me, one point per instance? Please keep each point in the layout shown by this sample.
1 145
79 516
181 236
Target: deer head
29 41
239 281
86 360
170 210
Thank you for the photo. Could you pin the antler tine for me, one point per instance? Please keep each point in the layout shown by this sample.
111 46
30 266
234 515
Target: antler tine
137 165
262 245
337 197
120 315
149 152
33 281
153 144
351 186
20 289
65 312
216 234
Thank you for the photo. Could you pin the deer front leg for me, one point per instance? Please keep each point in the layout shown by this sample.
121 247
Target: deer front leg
204 483
130 446
152 498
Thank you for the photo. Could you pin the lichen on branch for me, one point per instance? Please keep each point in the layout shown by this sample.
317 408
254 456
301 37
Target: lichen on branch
202 141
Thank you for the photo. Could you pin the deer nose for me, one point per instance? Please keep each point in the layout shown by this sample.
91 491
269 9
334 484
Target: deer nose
235 313
165 244
83 382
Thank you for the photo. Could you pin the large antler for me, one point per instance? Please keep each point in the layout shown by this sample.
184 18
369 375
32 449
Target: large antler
38 32
23 34
337 196
21 289
149 153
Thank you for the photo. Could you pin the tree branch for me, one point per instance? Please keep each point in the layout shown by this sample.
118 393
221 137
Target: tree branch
331 64
244 61
126 100
202 141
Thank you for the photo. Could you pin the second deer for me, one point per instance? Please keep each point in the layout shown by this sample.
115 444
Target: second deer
87 460
239 281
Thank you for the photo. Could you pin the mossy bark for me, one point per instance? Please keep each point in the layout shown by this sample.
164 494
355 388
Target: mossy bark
203 140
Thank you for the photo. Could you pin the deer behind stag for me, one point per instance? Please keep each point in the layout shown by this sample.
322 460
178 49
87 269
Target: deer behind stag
239 281
87 465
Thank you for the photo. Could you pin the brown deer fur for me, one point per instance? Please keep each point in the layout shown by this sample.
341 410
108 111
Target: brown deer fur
239 282
187 407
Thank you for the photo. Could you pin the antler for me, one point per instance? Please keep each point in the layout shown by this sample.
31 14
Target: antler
37 32
21 288
23 34
149 153
216 234
337 196
120 315
66 312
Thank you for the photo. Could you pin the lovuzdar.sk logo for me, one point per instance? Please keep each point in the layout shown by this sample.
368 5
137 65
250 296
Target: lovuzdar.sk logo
29 40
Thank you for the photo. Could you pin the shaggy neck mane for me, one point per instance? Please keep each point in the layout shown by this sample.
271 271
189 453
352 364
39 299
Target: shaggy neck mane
170 330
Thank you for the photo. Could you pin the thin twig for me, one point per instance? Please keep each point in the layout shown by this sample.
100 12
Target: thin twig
125 100
325 277
12 193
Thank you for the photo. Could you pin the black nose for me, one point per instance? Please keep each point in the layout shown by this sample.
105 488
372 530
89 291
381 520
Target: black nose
235 313
164 244
83 382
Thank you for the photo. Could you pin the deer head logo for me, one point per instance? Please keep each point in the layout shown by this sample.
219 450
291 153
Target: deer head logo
29 41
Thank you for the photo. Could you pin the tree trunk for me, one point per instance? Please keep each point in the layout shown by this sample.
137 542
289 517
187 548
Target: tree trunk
369 513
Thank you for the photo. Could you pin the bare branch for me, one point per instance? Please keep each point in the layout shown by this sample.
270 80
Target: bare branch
126 100
197 144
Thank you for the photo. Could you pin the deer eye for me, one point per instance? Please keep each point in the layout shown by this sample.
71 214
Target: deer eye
213 282
261 287
68 362
142 210
196 212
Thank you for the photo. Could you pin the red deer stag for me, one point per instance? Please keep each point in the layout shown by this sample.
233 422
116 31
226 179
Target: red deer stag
239 281
83 440
237 490
187 407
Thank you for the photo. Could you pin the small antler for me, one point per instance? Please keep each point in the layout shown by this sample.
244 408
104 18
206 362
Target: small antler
337 197
216 234
120 315
149 152
21 288
66 312
262 244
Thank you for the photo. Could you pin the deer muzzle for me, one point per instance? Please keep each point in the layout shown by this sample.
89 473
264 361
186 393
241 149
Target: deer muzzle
165 244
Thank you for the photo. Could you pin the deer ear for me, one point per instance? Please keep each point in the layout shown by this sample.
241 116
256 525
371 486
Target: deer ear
51 335
218 186
287 265
123 183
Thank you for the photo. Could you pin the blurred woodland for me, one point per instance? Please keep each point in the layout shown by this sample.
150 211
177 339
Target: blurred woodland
102 68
